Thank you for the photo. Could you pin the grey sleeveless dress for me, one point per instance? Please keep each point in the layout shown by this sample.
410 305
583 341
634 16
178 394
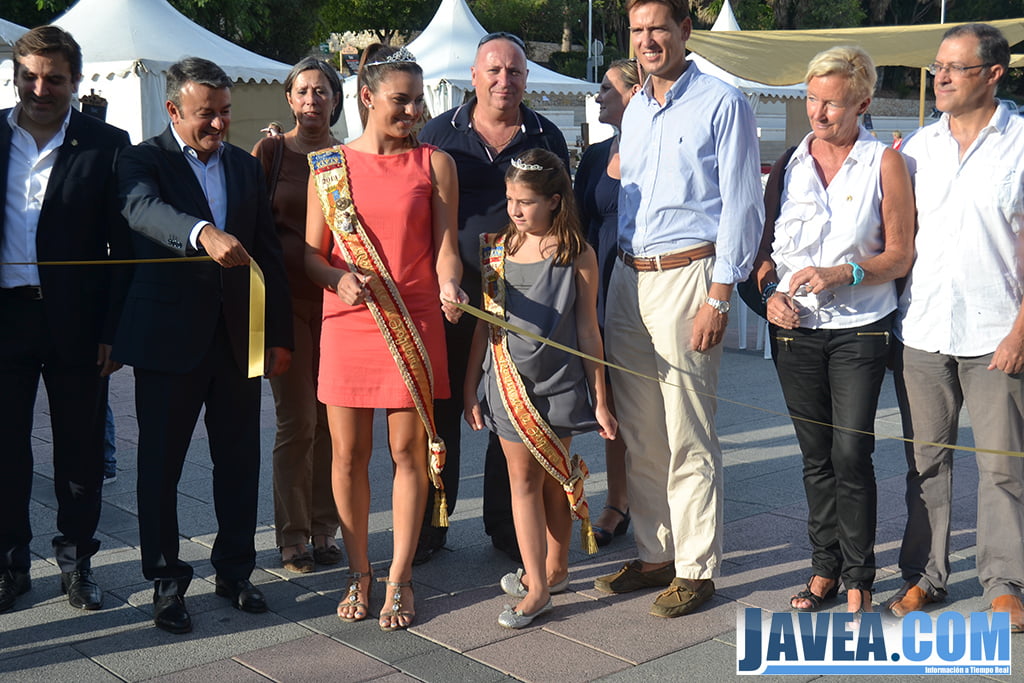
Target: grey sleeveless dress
541 298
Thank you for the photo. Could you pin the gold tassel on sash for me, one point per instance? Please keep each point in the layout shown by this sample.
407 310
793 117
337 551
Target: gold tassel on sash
385 303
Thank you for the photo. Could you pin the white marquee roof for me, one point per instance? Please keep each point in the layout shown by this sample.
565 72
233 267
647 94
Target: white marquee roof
726 21
118 36
447 47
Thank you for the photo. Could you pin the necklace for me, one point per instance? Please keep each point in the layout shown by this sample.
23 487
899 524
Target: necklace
502 145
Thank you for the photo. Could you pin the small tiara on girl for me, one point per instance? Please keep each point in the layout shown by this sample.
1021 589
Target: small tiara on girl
401 55
523 166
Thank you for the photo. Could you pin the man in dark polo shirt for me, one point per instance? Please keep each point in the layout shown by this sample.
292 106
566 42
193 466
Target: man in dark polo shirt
483 136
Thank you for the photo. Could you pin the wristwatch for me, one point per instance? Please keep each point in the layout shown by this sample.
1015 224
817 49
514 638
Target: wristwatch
719 305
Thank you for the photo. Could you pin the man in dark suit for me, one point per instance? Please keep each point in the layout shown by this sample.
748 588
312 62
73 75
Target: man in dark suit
185 330
57 171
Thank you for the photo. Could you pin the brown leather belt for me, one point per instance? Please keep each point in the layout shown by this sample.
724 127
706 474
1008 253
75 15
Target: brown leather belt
679 259
28 292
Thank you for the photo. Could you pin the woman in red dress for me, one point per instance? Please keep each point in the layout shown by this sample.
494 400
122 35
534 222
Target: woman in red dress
406 198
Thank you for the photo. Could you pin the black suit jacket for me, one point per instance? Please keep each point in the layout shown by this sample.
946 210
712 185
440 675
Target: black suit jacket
79 221
172 309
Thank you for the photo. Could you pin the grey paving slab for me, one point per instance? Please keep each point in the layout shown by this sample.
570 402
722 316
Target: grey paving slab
445 665
151 652
223 671
467 620
710 662
53 664
43 626
550 658
314 658
602 624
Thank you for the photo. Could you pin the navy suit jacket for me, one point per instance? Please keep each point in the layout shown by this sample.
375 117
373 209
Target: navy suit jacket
79 221
172 309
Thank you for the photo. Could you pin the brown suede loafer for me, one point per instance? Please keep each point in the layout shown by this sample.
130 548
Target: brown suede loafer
682 597
631 578
910 599
1013 605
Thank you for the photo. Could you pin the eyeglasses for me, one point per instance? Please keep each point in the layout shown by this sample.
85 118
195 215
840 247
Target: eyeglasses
935 68
502 34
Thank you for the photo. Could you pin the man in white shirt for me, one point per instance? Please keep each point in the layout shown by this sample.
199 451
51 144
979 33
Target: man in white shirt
962 326
56 322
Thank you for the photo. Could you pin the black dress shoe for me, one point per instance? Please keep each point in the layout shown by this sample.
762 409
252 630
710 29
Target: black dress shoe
12 584
242 594
169 613
431 540
81 589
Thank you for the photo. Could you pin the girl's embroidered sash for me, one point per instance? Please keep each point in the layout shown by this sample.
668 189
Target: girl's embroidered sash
532 428
330 171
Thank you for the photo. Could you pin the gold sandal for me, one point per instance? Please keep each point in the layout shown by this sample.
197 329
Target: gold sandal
390 618
355 598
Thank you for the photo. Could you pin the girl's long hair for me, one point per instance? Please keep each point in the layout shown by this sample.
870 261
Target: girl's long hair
552 179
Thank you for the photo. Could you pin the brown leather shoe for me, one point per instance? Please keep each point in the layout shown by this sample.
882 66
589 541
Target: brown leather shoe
1011 604
911 599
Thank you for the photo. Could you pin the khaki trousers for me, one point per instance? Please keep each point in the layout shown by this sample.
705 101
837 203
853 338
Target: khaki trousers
303 500
673 459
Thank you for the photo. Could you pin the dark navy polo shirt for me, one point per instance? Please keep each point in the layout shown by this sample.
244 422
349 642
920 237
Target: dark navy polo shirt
482 177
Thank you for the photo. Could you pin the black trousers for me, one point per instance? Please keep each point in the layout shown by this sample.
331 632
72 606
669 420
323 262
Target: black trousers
77 397
168 407
833 377
497 504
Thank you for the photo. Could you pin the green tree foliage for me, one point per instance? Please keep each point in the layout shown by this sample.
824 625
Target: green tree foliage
388 19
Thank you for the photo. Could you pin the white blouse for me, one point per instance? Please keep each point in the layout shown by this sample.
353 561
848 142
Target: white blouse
829 226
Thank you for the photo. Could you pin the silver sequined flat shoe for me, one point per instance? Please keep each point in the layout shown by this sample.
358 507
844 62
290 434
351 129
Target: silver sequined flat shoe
515 618
512 585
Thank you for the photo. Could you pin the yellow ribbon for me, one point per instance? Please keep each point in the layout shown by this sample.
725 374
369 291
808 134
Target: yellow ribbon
257 298
494 320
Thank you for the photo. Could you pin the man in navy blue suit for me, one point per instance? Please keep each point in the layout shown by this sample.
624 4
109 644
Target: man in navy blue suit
185 329
57 171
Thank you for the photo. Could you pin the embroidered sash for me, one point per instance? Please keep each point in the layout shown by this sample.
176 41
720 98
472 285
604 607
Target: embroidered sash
532 428
330 171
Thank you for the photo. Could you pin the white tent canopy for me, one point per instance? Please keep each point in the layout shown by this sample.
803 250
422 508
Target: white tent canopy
446 50
726 21
9 32
127 46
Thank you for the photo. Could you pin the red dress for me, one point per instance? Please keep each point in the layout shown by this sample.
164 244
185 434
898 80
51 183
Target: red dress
393 196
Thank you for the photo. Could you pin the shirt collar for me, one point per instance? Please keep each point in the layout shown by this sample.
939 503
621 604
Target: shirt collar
861 150
999 121
188 151
462 119
675 90
12 120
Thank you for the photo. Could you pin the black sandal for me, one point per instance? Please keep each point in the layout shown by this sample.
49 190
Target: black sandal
604 537
817 601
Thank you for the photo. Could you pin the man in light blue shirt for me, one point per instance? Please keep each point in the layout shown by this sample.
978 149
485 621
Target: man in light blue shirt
690 220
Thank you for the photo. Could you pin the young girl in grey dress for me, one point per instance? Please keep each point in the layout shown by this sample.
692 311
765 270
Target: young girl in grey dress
549 284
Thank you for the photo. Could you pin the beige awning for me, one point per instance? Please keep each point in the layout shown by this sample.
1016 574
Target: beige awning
781 57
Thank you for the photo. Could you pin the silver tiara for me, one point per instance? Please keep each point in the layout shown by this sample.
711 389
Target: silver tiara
401 55
523 166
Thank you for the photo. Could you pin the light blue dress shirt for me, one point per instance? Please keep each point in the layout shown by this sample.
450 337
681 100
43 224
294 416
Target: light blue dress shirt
691 173
211 178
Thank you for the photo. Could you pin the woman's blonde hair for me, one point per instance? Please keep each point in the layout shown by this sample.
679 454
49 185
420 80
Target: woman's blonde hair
629 71
849 61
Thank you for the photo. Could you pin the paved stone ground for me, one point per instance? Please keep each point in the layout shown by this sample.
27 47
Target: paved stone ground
589 636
